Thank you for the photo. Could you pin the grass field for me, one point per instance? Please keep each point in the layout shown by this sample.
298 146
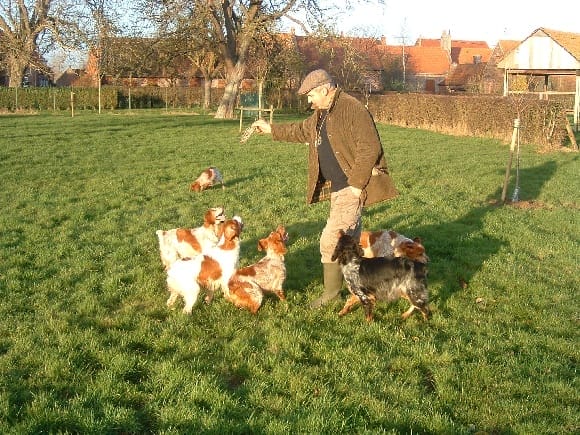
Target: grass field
88 346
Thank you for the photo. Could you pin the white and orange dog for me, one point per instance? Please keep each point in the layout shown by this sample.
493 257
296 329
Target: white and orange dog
248 284
189 242
208 178
390 244
210 271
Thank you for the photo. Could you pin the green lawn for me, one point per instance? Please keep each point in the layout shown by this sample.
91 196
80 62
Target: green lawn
87 344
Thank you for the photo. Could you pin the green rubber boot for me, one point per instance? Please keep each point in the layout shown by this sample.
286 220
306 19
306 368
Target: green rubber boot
332 284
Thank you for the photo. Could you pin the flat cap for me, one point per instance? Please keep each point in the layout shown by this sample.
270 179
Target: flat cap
314 79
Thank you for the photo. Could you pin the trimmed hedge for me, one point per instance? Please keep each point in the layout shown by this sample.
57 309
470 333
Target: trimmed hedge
56 98
543 123
111 98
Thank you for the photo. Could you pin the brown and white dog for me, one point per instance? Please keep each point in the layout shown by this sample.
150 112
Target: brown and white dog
190 242
208 178
373 279
390 244
247 285
211 270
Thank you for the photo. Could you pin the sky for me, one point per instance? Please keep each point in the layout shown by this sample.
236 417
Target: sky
484 20
473 20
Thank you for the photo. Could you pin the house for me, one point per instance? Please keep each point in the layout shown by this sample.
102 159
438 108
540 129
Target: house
464 78
547 54
429 62
430 65
492 79
420 67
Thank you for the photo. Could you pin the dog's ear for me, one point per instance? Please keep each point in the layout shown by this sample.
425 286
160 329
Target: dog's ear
232 229
359 250
262 244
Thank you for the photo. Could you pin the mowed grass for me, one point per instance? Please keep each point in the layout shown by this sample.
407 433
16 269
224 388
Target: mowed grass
87 344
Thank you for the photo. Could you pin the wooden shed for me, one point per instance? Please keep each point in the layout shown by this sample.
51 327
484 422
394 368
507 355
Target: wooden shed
546 53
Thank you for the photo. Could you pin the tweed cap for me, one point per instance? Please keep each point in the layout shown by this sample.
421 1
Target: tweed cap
314 79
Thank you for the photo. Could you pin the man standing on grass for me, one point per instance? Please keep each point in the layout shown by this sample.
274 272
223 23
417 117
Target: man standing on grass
346 164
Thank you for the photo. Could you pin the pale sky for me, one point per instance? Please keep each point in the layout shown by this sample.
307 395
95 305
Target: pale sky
483 20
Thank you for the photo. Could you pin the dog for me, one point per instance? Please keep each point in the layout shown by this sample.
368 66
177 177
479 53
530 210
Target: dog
211 270
208 178
390 244
188 242
247 285
380 278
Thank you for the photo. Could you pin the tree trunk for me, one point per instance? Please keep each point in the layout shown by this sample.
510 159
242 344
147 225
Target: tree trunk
206 92
16 68
228 102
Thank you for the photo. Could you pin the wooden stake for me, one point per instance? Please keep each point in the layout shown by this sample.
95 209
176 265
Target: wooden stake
510 159
571 135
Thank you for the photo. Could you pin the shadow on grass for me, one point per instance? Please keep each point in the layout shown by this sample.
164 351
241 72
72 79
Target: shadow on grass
458 249
303 261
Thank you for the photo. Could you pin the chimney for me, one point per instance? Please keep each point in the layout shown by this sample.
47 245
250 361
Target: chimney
446 41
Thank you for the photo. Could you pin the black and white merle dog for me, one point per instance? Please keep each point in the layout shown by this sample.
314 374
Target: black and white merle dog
372 279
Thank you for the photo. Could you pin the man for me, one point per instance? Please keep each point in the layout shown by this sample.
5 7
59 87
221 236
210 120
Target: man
346 163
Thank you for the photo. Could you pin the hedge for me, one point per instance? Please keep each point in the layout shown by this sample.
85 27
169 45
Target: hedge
542 122
56 98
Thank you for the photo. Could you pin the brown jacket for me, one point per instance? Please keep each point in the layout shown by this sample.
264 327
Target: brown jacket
356 144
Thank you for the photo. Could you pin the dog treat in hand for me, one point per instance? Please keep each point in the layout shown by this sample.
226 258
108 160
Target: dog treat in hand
247 133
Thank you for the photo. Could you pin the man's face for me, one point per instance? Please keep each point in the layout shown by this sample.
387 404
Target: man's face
318 97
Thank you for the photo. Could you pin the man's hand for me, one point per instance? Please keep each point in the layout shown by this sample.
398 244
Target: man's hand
262 126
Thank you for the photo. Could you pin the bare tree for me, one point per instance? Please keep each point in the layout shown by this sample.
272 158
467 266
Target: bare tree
233 26
98 20
208 63
29 29
276 64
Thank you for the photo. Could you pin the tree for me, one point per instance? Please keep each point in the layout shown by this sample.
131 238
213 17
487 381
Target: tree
234 26
99 25
276 64
28 29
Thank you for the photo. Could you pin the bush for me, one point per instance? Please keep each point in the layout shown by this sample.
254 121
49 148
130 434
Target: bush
56 98
543 122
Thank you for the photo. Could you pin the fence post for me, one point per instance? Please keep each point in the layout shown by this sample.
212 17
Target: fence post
510 159
72 104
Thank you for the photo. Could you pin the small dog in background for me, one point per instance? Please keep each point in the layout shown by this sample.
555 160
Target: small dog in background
208 178
247 285
390 244
189 242
211 270
380 278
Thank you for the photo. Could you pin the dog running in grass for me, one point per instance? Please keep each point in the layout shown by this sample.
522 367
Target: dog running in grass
374 279
248 284
208 178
